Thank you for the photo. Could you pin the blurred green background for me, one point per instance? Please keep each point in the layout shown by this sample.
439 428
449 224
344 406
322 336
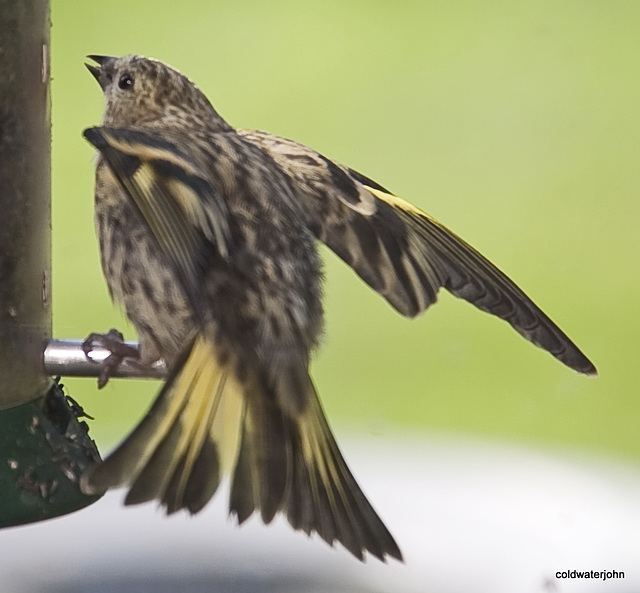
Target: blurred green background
517 124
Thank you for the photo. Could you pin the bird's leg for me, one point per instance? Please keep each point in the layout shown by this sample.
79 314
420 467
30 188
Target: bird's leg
113 341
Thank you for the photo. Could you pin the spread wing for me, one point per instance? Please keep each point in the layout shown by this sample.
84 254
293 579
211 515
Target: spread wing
402 252
182 209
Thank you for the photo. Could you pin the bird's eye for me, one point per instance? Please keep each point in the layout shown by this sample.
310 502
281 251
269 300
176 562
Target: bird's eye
126 82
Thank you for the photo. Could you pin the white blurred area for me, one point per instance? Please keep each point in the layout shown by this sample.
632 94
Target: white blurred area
469 515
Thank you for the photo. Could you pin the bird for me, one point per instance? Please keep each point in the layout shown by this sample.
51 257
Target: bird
208 239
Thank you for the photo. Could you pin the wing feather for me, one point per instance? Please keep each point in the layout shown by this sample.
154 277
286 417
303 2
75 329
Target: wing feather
404 253
176 200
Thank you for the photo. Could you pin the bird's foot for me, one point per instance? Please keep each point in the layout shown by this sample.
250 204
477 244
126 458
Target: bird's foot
113 341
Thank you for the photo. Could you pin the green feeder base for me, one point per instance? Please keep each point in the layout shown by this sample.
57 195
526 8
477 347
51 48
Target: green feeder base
44 450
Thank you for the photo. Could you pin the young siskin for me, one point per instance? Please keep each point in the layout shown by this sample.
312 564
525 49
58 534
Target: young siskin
208 239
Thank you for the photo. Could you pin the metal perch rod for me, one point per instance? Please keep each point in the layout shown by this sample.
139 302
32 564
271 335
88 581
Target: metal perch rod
67 358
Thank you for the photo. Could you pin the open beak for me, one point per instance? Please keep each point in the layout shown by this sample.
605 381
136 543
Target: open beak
102 73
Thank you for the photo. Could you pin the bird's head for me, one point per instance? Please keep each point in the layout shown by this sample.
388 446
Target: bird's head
144 92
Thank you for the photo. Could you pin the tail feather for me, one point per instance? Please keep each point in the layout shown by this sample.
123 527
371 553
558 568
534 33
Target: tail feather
176 451
132 456
206 423
318 492
196 489
356 523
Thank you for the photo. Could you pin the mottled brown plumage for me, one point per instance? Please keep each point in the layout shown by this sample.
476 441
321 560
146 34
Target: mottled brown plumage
207 237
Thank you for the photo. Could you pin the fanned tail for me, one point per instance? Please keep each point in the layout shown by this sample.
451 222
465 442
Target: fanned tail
207 423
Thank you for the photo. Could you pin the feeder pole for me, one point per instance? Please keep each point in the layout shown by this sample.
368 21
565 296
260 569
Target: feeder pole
44 448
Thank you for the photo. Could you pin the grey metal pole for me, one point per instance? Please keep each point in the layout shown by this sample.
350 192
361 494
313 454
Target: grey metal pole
25 199
43 447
